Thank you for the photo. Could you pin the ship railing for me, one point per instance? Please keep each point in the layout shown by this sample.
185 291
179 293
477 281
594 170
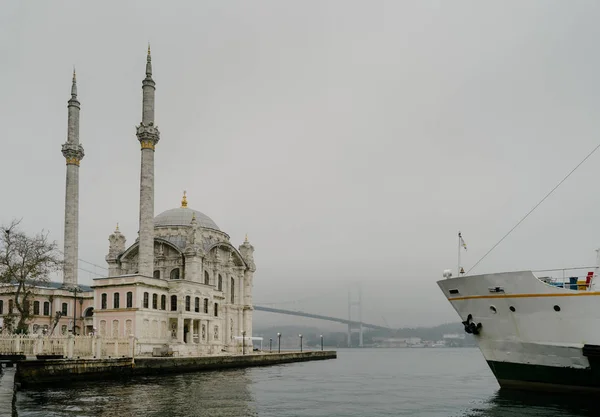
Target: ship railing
571 278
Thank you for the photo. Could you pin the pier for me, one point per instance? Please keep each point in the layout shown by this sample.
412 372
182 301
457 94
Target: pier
36 372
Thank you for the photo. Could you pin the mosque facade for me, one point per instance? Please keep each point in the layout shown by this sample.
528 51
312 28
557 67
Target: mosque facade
181 284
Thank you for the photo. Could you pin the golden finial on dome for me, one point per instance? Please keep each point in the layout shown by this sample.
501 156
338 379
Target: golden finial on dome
184 200
117 229
246 241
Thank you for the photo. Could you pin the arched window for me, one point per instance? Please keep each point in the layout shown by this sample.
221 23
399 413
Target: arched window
104 302
232 290
220 283
116 300
65 309
197 305
157 274
187 303
129 299
216 309
163 302
89 312
206 278
206 305
175 273
155 301
1 306
36 308
173 303
146 298
46 308
10 306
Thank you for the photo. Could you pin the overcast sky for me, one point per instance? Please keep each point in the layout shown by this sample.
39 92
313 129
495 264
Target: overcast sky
351 140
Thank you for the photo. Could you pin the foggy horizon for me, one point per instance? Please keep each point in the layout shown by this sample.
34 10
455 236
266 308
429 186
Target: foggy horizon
351 141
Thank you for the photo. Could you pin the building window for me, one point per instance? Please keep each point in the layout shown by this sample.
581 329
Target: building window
65 308
206 278
46 308
116 300
36 308
206 305
103 306
232 290
26 306
197 305
173 303
1 306
220 283
175 273
157 274
155 301
187 302
146 296
216 309
10 306
129 299
163 302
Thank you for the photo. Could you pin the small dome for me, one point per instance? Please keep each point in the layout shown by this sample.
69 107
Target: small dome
183 217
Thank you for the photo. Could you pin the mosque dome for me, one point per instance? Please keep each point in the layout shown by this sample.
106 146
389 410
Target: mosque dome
182 216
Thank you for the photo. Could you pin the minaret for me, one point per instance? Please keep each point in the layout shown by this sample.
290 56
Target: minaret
148 136
73 153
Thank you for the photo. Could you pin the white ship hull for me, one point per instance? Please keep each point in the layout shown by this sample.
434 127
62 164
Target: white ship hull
533 335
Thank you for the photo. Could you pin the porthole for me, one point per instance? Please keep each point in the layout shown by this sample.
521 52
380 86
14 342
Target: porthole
556 308
493 309
512 309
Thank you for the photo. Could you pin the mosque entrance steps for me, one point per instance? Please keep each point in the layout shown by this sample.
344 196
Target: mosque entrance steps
42 372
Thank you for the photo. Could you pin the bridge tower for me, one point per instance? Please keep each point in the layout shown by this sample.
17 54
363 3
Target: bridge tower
355 308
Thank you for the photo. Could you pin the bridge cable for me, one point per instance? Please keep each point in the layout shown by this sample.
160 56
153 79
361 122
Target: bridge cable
536 206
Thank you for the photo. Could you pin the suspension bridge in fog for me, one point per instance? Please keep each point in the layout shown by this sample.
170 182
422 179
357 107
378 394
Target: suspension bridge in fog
354 320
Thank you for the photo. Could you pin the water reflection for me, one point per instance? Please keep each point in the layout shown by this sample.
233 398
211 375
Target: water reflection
218 394
535 404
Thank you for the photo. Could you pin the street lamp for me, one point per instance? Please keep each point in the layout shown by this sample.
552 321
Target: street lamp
75 289
278 342
300 336
243 342
321 342
270 343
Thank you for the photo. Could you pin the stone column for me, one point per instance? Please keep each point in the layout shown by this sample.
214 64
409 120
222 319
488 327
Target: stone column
180 329
148 135
73 153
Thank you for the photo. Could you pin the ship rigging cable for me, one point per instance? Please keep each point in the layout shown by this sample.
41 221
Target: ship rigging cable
536 206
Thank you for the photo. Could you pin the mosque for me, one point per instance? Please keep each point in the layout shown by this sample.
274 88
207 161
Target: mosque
181 283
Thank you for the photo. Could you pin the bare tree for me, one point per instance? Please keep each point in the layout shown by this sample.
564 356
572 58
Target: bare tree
26 263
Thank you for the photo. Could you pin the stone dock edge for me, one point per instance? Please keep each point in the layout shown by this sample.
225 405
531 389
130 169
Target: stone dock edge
32 373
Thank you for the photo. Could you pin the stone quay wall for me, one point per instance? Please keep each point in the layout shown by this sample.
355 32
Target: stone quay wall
40 372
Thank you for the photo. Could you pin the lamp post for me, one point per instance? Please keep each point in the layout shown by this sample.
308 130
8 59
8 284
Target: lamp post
243 342
270 344
278 342
75 289
321 342
300 336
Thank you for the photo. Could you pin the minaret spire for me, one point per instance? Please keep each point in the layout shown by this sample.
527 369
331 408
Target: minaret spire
149 64
73 153
74 86
148 135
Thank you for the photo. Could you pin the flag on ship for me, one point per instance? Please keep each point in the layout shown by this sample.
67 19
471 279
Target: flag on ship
462 242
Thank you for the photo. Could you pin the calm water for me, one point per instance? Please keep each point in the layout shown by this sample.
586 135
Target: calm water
361 382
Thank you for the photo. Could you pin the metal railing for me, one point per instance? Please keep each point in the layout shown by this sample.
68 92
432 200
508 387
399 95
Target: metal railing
562 277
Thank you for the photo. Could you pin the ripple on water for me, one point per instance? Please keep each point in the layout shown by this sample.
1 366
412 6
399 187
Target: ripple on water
361 382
